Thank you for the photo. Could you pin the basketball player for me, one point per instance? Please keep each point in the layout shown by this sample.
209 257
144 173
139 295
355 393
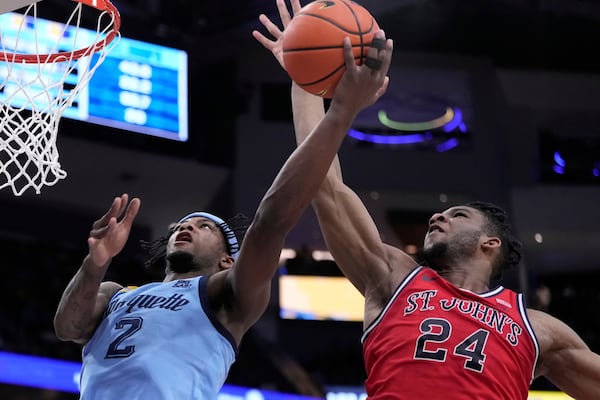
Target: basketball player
438 330
177 339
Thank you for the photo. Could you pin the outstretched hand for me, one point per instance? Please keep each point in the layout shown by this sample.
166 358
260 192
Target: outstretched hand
362 85
109 235
275 45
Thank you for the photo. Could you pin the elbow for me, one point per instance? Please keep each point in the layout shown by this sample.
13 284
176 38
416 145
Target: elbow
63 337
66 336
60 331
67 332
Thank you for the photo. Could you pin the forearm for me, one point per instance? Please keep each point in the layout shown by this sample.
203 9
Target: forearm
76 314
304 171
308 111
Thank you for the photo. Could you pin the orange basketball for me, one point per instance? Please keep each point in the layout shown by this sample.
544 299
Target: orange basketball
313 43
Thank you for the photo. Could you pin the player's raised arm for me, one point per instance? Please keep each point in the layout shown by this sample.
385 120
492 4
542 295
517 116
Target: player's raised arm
86 296
349 230
298 182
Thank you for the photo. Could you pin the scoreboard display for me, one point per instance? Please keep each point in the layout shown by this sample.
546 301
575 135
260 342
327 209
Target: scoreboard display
140 86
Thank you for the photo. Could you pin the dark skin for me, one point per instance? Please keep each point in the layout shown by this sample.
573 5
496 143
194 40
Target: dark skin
376 269
238 291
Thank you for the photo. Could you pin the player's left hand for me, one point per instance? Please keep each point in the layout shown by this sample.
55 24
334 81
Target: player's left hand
275 45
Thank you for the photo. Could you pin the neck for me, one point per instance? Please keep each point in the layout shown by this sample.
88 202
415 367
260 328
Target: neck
466 281
471 276
174 276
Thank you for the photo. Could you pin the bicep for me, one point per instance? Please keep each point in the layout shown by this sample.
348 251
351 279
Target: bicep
105 293
249 280
576 371
565 359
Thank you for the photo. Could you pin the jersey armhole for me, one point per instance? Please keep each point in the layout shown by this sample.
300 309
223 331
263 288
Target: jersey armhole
529 329
401 286
204 303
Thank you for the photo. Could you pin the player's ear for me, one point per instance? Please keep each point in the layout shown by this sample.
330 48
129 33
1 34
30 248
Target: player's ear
491 242
226 262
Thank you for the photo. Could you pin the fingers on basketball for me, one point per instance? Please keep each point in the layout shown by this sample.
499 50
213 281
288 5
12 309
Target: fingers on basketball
313 43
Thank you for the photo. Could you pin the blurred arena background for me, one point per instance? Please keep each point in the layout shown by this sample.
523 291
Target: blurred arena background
520 73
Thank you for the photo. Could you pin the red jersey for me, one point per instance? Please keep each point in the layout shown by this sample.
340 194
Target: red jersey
434 340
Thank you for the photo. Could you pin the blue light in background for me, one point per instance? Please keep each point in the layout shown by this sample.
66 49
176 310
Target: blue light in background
141 87
559 163
401 138
455 122
48 373
559 160
384 139
447 145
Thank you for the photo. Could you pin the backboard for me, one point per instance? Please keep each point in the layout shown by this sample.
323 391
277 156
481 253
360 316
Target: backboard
11 5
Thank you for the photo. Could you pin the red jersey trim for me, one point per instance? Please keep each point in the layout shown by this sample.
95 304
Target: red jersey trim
402 285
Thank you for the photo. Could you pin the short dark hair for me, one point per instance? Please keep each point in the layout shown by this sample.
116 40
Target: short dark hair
497 223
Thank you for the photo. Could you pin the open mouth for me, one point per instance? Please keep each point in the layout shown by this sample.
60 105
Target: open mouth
183 237
435 228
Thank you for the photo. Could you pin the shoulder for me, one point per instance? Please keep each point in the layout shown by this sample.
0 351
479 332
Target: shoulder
547 328
109 288
218 290
395 266
550 331
380 288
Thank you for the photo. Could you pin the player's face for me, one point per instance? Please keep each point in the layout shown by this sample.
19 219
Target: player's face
456 231
196 241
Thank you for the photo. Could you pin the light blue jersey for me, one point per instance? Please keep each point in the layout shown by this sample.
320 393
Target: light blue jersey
158 342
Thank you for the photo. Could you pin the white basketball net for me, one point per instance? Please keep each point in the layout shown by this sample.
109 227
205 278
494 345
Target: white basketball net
34 94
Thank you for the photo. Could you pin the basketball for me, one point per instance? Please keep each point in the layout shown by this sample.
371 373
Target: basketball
313 43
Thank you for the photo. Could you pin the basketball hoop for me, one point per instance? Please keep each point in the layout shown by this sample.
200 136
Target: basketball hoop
44 66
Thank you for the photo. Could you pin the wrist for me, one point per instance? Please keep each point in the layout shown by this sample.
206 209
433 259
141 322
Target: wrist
342 112
298 91
93 266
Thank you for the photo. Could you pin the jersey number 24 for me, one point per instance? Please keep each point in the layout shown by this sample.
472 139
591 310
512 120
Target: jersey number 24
437 331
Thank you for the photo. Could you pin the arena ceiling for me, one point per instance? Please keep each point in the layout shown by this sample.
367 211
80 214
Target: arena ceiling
553 34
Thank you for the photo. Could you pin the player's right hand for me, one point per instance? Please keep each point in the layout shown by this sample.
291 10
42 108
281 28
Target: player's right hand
362 85
109 234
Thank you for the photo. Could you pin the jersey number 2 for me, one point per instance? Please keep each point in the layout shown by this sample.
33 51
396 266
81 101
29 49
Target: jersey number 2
131 326
438 330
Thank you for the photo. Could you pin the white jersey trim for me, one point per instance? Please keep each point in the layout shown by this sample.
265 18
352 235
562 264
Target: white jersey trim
490 293
525 318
